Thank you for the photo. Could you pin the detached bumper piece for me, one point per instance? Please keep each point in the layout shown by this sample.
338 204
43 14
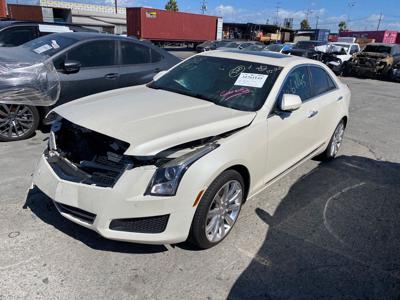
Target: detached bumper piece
75 212
80 155
141 225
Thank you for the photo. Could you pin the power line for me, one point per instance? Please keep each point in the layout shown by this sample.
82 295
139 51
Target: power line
379 22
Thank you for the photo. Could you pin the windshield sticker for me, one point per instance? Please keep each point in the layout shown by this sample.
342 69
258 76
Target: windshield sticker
251 80
234 93
54 44
42 49
236 71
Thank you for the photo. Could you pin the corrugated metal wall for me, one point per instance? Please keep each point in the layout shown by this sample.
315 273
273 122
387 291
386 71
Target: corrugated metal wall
162 25
25 12
3 9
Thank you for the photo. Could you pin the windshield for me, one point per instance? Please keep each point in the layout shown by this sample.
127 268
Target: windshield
275 47
345 46
49 44
221 43
307 45
378 49
232 45
237 84
255 48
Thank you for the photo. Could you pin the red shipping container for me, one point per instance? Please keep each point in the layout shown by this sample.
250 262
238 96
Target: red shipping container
384 36
162 25
25 12
3 9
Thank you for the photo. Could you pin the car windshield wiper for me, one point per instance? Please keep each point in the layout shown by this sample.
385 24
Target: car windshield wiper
195 95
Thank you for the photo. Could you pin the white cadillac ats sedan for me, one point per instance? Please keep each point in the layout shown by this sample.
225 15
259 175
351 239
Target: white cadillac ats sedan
176 159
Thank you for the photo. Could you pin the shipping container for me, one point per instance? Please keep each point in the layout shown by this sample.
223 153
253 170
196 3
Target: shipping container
3 9
312 34
161 26
383 36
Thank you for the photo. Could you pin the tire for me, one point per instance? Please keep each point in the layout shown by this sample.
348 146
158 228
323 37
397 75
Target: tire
211 212
18 122
334 143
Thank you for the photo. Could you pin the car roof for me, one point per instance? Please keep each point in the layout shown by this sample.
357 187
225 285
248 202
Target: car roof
92 35
381 44
264 57
8 23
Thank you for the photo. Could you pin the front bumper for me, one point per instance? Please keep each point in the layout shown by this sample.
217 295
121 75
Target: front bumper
95 207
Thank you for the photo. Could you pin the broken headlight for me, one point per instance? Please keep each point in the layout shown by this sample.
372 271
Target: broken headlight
166 179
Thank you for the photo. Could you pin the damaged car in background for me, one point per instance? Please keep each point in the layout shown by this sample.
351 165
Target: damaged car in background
306 49
177 158
337 55
57 68
376 60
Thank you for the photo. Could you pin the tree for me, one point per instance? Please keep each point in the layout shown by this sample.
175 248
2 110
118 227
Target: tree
172 5
342 26
304 24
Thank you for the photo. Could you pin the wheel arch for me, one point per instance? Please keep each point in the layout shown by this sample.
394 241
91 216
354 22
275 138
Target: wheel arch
244 172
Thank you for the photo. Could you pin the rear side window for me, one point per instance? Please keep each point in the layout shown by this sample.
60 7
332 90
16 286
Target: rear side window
134 53
94 54
298 83
321 81
16 36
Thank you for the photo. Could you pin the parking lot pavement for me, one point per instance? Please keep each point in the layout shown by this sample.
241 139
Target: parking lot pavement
326 231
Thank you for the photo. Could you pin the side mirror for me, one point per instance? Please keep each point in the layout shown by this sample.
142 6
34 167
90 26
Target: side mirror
290 102
159 74
72 66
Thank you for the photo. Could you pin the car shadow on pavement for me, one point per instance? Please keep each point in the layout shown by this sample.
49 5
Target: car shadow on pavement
43 207
335 235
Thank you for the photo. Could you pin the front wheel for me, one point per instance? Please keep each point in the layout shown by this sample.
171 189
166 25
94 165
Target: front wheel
17 122
334 143
218 210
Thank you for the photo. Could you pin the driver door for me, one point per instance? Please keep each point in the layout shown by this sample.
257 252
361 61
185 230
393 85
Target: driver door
292 135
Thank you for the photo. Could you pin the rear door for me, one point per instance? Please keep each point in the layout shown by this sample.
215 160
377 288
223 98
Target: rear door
292 136
98 72
138 63
327 98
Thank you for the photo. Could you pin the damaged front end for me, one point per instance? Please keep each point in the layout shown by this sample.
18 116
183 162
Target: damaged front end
370 64
84 156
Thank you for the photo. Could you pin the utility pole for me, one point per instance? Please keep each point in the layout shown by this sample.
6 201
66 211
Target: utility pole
116 6
277 13
204 7
379 22
350 6
316 23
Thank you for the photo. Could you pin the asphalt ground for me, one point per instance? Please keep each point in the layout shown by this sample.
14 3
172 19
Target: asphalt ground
325 231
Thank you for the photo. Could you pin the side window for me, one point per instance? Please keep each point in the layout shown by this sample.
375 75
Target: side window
353 49
298 83
94 54
321 81
134 53
155 56
17 35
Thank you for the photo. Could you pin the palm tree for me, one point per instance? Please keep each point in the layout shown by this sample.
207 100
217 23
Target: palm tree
342 26
304 24
172 5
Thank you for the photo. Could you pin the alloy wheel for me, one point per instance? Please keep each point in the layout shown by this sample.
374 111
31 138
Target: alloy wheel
224 210
15 120
337 140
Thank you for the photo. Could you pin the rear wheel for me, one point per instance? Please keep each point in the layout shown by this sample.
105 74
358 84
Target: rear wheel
218 210
334 143
17 122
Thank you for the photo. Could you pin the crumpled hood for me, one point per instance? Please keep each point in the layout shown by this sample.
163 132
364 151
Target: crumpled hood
152 120
372 55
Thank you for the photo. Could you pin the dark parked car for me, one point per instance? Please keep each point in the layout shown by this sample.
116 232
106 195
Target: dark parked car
15 33
211 45
306 49
376 60
86 63
241 45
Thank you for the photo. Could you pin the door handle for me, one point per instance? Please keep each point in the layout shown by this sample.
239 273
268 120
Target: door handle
313 113
339 98
111 76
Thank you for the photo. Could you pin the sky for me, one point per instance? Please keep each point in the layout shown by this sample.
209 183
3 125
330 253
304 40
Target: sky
360 15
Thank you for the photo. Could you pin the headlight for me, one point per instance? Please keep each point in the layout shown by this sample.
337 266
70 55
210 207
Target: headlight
166 179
